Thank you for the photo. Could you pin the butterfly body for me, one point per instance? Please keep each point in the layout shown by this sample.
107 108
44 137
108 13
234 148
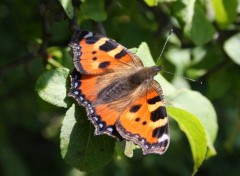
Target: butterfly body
124 86
120 95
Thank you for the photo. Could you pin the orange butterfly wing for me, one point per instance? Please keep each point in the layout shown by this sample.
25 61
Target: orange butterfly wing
145 121
85 89
96 54
98 61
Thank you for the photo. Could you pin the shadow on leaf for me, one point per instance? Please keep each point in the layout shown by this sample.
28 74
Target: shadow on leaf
80 147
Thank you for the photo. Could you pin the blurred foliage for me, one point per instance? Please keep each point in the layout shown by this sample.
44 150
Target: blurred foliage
204 46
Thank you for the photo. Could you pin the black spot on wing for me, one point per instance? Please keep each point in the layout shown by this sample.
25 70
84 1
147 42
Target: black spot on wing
135 108
78 36
158 132
108 46
75 75
120 54
92 39
164 143
104 64
154 100
94 58
159 113
137 119
144 123
94 52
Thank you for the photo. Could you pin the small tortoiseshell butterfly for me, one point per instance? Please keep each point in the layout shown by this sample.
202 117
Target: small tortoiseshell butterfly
120 95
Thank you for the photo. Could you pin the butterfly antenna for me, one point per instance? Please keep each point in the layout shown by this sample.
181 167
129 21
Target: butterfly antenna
168 37
193 80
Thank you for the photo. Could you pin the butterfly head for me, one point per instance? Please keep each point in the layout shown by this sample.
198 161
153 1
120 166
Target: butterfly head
156 69
145 74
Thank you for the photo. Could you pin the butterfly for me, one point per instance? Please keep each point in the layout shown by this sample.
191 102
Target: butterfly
120 95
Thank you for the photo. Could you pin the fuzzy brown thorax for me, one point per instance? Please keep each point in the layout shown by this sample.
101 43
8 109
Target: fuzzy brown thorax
123 87
144 74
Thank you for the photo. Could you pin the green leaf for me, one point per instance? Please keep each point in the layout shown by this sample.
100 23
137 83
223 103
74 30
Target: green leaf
197 26
143 52
79 147
194 130
68 7
196 104
192 18
151 2
225 11
55 57
129 148
52 86
181 58
94 10
231 47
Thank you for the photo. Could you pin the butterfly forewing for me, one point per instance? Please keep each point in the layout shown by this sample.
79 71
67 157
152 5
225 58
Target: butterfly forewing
96 54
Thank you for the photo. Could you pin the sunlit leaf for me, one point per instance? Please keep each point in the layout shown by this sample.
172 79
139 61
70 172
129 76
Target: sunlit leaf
52 86
195 132
151 2
198 27
180 58
68 7
201 107
129 148
192 18
225 11
231 47
143 52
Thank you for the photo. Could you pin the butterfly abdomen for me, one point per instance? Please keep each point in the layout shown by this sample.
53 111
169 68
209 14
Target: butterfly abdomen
116 90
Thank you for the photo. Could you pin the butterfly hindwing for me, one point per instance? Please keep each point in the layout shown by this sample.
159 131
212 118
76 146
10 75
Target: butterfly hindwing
85 89
145 121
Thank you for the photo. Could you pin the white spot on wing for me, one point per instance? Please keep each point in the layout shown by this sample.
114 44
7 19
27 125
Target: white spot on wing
110 129
137 136
163 138
100 125
90 34
75 85
95 118
91 111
